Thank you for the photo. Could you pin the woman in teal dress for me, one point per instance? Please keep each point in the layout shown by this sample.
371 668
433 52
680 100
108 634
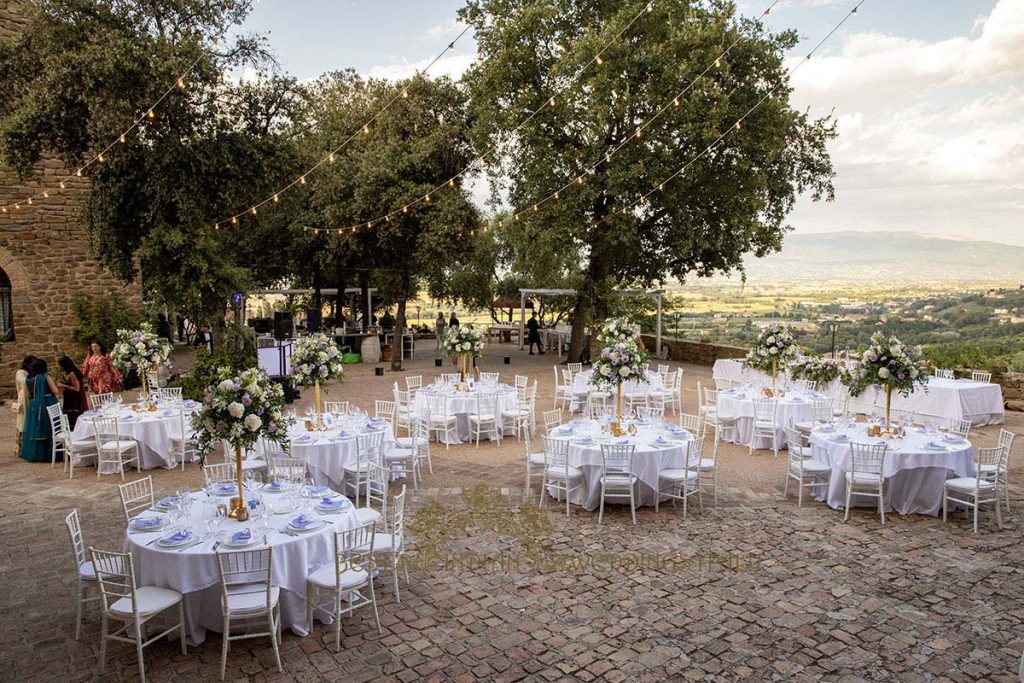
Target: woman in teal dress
37 439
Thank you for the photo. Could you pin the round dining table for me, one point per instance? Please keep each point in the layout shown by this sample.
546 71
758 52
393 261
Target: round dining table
328 451
460 401
915 467
738 403
153 430
659 446
182 553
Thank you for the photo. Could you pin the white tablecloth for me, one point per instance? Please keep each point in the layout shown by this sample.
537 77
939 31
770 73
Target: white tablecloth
963 399
193 571
914 476
330 451
152 430
979 402
581 386
739 403
462 403
648 461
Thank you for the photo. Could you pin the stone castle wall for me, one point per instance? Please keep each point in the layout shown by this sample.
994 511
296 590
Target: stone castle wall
697 353
44 249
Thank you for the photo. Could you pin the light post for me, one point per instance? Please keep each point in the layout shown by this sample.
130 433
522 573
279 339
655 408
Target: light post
833 326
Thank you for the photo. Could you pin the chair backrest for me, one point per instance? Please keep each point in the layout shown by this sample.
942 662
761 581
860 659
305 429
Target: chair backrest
353 550
981 376
153 377
384 409
662 370
566 376
136 496
670 380
368 447
398 521
574 367
710 398
248 573
336 407
961 427
694 452
285 468
170 393
723 384
377 478
437 406
943 373
414 382
552 418
490 377
764 409
989 463
106 428
556 452
617 457
822 409
679 380
115 574
868 459
450 377
649 412
522 381
1006 438
274 447
805 385
796 443
54 412
692 423
487 404
218 473
74 526
97 401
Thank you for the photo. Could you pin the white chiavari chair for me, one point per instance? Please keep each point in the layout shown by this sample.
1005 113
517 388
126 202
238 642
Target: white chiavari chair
977 490
866 476
807 472
683 482
617 478
765 423
85 575
136 496
112 448
552 418
249 598
368 452
981 376
559 475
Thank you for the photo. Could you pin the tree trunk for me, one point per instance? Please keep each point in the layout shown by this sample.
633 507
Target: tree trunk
317 299
364 291
589 305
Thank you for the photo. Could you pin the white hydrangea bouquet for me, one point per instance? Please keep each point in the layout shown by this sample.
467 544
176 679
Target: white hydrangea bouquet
462 340
140 350
616 330
816 369
618 363
316 358
239 410
773 350
888 363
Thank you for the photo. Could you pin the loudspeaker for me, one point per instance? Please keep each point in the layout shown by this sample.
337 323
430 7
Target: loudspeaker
282 325
312 320
262 325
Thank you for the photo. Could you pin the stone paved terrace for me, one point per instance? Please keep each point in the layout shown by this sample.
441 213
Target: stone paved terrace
806 597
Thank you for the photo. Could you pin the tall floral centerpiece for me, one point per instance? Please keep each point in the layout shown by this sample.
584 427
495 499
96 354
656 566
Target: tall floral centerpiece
891 364
618 330
463 343
773 351
140 350
315 359
239 410
815 369
618 362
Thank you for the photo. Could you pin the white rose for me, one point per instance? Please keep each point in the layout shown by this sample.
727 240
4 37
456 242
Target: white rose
770 340
913 373
252 422
605 370
236 409
883 373
773 351
226 385
624 371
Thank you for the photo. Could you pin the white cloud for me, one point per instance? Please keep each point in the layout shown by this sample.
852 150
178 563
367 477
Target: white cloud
931 134
445 30
450 65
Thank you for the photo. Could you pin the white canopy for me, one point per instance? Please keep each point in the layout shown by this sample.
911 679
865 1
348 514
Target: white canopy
655 294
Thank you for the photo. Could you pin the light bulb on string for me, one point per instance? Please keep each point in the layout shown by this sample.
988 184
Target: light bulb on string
718 62
234 220
101 158
151 114
181 83
276 199
676 101
122 139
302 180
405 209
78 173
599 60
451 182
427 199
30 201
330 158
62 185
46 194
253 211
405 93
366 129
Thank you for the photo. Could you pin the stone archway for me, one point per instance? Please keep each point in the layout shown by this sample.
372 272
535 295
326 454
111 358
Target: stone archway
21 288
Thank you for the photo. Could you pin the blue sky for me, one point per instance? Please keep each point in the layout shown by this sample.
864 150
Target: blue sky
929 95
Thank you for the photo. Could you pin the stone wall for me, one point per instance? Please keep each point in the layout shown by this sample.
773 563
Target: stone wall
697 353
1013 389
44 249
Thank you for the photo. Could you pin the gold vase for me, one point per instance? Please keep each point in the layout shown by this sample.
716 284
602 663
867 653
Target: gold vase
617 425
316 384
775 371
888 406
144 377
238 509
462 367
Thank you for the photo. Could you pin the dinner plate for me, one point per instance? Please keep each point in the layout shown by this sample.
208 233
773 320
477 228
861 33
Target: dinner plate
315 491
238 540
166 504
177 540
333 504
148 523
312 526
275 487
225 489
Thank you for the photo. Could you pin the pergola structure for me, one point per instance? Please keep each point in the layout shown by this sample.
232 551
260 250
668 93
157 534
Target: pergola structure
655 294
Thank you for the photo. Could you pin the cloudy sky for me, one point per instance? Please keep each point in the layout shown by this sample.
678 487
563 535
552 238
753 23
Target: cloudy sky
929 95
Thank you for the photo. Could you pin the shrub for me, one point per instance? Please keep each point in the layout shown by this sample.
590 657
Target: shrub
99 319
236 350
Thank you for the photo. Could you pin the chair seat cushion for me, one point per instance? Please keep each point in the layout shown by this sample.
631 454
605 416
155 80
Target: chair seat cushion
485 417
515 413
564 472
365 515
813 466
151 601
358 468
86 571
674 474
442 420
396 454
863 478
247 599
618 478
382 543
326 577
122 445
706 464
84 444
404 441
536 458
968 484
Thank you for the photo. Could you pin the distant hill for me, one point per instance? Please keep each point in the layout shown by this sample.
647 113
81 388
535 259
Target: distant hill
889 257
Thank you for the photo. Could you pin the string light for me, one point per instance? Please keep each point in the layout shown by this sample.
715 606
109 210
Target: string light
599 60
276 199
123 139
330 160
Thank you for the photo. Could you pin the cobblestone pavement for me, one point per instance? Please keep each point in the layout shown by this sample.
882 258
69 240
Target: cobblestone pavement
755 589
